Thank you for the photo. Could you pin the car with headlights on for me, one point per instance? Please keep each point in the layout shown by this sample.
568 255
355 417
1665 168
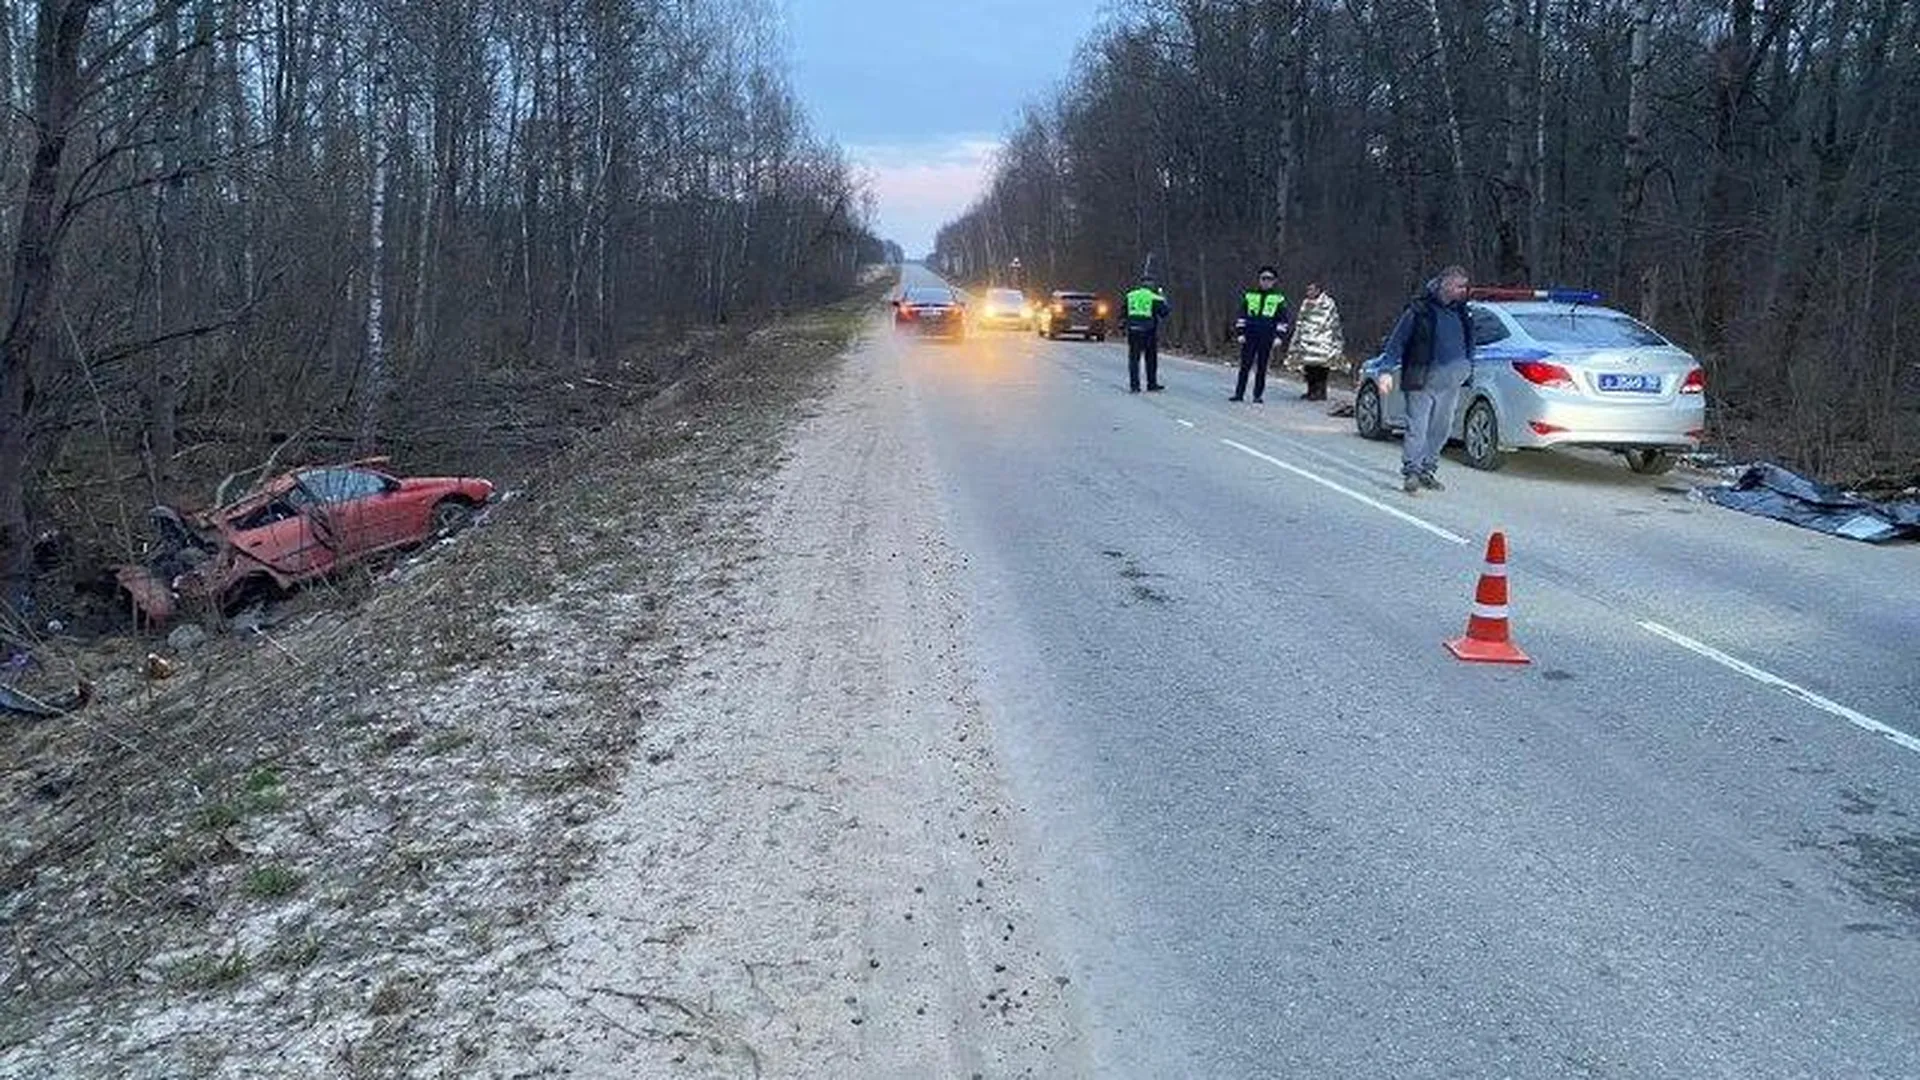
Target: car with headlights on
1005 309
1553 368
1072 312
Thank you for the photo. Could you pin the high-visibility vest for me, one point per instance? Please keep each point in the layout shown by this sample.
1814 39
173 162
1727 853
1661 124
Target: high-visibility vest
1264 305
1140 302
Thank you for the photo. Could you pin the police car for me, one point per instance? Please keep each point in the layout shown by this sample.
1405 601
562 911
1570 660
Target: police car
1554 368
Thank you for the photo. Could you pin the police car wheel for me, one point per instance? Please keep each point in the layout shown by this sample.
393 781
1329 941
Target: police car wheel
1480 436
1366 413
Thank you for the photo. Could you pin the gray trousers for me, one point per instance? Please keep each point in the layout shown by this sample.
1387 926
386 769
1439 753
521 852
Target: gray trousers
1429 418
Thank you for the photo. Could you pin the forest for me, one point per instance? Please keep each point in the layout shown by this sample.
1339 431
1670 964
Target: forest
1738 173
242 231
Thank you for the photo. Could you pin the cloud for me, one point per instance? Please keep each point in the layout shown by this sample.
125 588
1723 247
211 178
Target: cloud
919 187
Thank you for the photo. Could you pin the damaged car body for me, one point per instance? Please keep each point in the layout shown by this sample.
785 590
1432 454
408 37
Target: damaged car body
299 527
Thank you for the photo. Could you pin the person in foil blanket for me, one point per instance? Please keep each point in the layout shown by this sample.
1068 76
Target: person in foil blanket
1317 344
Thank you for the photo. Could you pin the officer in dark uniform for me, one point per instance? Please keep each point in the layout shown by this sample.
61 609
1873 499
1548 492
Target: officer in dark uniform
1263 318
1146 306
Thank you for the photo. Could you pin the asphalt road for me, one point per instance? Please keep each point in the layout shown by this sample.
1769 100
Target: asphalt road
1281 832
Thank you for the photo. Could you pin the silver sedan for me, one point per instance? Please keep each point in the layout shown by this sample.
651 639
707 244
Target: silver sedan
1556 371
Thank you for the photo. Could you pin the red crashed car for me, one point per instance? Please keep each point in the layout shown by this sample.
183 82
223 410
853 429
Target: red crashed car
302 525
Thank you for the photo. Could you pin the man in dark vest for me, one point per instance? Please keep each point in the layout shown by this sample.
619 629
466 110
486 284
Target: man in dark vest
1263 318
1146 306
1434 343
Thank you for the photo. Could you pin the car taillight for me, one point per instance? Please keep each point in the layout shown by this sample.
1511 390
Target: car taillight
1545 429
1696 382
1541 373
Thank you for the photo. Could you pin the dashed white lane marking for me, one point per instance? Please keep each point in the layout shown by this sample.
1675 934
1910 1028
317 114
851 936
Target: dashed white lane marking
1760 675
1183 423
1356 496
1857 719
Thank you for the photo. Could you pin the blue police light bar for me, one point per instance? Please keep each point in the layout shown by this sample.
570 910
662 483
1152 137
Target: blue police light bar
1571 296
1552 296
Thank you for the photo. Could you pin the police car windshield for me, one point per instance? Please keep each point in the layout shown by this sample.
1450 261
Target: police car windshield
1588 330
1004 296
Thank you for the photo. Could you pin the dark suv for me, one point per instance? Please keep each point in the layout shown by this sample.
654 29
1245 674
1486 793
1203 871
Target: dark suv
1068 312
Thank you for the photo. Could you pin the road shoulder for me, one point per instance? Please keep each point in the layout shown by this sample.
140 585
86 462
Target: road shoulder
812 868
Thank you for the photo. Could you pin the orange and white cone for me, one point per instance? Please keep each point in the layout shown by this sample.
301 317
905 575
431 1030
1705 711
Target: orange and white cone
1486 639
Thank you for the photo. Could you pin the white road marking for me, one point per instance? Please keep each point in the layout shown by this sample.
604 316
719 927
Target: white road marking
1417 523
1183 423
1859 720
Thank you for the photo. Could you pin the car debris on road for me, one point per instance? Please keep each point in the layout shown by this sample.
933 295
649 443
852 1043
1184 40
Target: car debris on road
1774 492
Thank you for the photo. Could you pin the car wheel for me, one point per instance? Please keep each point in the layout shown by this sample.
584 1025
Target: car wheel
1649 462
450 516
252 590
1368 415
1481 436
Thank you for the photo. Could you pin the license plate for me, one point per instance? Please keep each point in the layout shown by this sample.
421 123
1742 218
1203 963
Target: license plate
1630 383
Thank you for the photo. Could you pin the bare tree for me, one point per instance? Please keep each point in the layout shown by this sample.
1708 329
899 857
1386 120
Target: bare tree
1731 170
246 220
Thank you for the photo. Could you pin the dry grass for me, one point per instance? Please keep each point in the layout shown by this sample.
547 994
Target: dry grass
385 795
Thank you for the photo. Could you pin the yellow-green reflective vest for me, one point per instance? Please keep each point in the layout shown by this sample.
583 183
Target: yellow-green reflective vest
1264 305
1140 303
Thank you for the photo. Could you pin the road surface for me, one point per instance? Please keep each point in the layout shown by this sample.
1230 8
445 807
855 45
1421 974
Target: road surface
1279 831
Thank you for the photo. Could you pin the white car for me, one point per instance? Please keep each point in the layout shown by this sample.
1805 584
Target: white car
1551 368
1006 309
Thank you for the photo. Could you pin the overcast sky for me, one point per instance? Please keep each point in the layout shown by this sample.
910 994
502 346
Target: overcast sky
920 93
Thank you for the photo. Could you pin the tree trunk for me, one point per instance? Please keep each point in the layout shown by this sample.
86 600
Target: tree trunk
1293 60
162 375
1537 210
62 26
1629 282
1510 260
1456 140
1732 57
374 383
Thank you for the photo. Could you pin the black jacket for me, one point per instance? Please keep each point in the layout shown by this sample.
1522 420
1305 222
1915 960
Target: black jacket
1413 342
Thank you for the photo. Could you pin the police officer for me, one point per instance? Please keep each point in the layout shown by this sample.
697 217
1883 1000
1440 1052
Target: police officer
1263 318
1146 306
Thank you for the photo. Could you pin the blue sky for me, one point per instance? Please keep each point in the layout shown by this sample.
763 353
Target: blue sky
920 93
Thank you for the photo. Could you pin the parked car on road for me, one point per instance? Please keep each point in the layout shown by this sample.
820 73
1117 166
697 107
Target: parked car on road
930 310
301 526
1005 309
1070 312
1552 368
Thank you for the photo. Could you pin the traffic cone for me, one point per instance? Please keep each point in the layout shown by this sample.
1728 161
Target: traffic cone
1486 639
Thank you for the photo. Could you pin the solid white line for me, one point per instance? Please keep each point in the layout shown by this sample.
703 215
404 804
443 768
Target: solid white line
1858 720
1349 493
1183 423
